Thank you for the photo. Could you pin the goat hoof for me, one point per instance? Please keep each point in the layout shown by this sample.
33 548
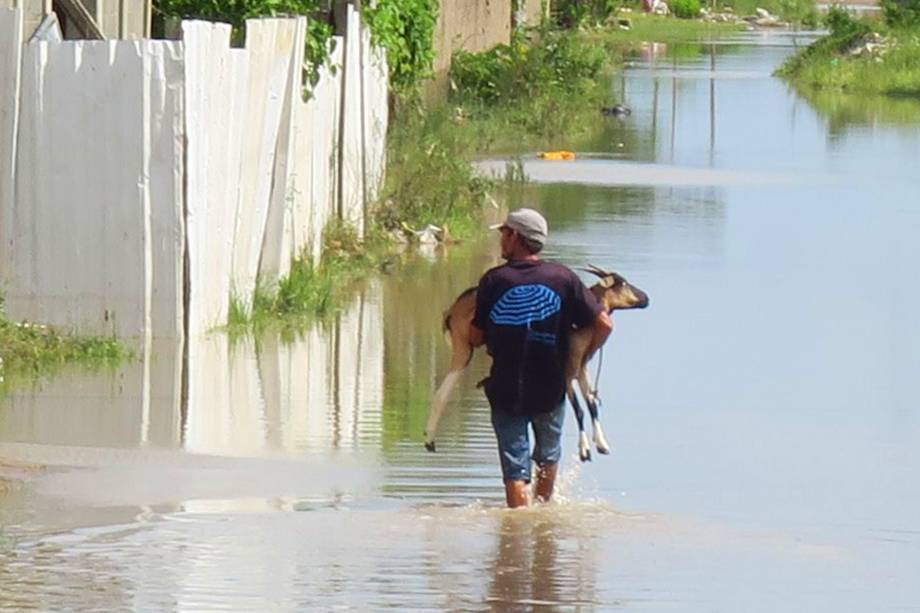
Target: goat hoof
603 450
585 456
429 445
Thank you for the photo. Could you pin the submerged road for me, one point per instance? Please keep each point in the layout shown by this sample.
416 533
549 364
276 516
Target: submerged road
763 410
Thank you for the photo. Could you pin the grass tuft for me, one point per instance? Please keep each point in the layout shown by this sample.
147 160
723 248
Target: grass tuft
30 350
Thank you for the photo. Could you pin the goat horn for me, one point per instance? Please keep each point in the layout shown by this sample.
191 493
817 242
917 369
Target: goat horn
594 270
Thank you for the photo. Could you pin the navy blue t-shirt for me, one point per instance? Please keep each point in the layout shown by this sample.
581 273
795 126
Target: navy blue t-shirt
526 309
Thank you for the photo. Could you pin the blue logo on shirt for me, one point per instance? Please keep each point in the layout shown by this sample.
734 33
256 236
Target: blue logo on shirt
524 304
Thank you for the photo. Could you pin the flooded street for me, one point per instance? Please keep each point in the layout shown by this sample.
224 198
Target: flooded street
764 411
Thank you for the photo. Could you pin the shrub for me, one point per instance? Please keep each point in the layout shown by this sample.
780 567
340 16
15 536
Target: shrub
686 9
527 68
901 12
574 13
844 29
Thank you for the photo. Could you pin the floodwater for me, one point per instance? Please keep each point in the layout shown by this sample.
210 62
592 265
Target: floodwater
764 410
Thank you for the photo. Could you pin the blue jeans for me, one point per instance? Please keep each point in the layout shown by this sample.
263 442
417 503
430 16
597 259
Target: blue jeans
514 443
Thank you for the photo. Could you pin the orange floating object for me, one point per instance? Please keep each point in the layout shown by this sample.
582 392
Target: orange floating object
556 155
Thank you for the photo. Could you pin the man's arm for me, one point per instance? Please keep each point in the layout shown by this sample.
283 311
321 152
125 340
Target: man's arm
601 328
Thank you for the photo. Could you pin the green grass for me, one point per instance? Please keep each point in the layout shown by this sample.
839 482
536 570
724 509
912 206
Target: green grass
311 291
826 64
658 29
30 350
795 11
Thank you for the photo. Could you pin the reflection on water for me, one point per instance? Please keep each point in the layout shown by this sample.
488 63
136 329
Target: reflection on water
529 554
850 111
763 410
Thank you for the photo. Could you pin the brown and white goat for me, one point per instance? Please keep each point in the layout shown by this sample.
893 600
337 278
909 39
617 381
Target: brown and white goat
612 291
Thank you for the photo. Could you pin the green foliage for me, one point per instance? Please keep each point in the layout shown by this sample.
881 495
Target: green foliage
828 62
531 66
236 12
311 291
844 31
34 349
901 13
429 177
405 28
844 28
569 14
685 9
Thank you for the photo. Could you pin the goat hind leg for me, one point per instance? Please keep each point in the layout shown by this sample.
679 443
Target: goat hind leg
591 399
584 449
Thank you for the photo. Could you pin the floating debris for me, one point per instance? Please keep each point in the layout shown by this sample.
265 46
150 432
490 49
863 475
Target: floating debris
557 156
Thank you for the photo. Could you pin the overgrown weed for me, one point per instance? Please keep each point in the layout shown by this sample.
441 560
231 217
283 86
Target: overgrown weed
830 62
30 350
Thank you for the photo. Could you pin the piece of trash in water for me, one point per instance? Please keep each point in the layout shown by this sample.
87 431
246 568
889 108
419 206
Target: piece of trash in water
556 155
617 110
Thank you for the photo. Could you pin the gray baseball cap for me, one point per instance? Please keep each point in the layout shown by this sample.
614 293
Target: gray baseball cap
528 223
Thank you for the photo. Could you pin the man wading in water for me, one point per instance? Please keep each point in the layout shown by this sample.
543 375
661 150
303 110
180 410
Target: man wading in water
524 310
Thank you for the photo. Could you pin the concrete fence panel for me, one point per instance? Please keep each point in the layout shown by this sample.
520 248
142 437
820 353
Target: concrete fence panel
278 244
376 114
208 86
325 131
352 160
300 179
269 43
79 218
10 62
164 75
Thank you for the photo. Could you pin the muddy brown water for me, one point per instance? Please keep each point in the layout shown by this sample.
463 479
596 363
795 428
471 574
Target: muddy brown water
763 410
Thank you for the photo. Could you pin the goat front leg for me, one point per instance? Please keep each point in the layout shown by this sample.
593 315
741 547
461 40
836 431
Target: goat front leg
584 449
589 392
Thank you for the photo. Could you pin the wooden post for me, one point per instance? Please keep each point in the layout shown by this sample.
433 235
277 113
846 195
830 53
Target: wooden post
81 18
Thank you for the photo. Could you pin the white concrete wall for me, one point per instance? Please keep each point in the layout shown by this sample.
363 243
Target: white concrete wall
271 47
278 241
10 58
326 136
376 114
352 179
131 155
165 125
95 125
212 74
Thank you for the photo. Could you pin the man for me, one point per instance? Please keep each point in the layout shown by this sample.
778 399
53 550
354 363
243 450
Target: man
524 311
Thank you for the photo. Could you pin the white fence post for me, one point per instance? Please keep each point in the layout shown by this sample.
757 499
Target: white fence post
10 67
278 243
352 172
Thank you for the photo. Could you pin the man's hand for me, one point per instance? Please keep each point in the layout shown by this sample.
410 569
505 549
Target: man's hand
477 336
601 329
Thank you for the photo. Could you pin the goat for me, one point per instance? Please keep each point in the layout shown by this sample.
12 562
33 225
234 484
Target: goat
612 291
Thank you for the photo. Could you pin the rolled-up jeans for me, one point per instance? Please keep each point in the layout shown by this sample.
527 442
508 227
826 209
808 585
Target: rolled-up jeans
511 430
